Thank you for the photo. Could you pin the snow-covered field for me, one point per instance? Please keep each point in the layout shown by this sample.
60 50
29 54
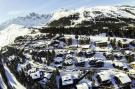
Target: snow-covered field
8 35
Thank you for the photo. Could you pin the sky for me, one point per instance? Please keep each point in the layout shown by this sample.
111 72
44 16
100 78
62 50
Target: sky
13 8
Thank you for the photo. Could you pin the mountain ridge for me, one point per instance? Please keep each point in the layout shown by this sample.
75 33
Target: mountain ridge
31 20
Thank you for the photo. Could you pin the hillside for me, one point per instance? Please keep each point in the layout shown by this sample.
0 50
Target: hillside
90 16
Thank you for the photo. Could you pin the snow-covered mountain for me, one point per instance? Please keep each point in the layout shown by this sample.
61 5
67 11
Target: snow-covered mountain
77 16
31 20
15 27
74 16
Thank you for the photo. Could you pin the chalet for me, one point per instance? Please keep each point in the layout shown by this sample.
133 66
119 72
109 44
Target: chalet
123 80
118 55
84 40
35 75
72 52
67 80
69 56
82 86
132 43
120 65
85 47
59 55
101 43
131 74
89 53
81 53
108 55
132 64
47 75
68 62
125 43
105 27
128 52
99 56
55 43
73 47
58 62
99 63
104 78
45 79
103 49
96 63
80 61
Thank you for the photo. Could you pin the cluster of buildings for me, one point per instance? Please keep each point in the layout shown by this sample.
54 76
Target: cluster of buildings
90 64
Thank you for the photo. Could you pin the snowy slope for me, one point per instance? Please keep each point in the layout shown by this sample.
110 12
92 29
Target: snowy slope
12 80
2 84
30 20
9 34
90 13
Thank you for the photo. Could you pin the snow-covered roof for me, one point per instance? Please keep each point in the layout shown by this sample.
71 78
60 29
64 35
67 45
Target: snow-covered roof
85 46
32 70
67 79
103 49
131 71
36 75
117 63
125 42
82 86
123 78
58 59
80 59
101 41
47 75
100 56
104 75
118 53
74 73
132 63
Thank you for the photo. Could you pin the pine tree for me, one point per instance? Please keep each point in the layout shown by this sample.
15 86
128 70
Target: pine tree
120 44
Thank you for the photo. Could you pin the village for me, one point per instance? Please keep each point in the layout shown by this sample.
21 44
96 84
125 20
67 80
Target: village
61 61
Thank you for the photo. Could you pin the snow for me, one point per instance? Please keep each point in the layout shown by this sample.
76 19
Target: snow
107 11
8 35
12 80
81 59
36 75
123 78
47 75
104 75
31 20
58 59
132 63
67 79
82 86
2 84
61 13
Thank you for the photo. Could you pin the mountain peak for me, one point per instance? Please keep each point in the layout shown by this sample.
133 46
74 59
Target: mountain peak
31 20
